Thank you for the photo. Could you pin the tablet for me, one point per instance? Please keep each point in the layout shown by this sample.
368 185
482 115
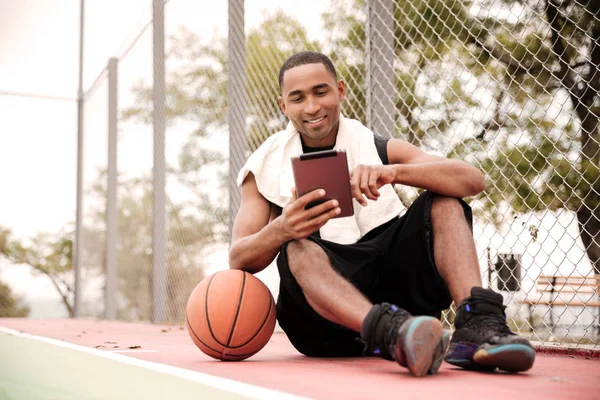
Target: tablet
327 170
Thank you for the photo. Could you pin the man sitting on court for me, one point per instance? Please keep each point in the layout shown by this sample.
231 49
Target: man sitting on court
374 283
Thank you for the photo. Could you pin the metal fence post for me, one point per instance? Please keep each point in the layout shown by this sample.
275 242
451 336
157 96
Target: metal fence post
78 247
236 113
159 245
110 311
380 67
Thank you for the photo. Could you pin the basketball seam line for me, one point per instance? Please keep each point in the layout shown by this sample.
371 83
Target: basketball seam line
259 330
206 310
262 325
215 350
266 318
237 311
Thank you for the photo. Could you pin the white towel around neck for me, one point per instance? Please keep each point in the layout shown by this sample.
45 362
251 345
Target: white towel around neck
272 168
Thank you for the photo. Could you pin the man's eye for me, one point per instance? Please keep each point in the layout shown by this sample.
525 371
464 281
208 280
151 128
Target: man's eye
296 99
321 93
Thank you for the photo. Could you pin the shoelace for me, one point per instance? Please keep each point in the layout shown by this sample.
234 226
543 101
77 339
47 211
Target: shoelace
490 322
487 315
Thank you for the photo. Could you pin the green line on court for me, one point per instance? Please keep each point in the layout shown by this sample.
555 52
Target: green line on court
35 370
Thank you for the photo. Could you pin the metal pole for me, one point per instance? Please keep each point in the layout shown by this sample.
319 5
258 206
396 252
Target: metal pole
381 91
159 246
79 203
236 113
110 311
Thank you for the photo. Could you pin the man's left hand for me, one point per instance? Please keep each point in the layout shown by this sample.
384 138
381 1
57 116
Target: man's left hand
365 180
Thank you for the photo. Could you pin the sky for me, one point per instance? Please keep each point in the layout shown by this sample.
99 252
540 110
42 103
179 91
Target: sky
39 50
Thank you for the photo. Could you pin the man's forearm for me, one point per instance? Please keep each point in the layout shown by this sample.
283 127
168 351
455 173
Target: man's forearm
255 252
448 177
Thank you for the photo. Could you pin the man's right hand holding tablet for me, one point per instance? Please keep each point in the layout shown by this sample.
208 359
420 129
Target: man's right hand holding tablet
297 221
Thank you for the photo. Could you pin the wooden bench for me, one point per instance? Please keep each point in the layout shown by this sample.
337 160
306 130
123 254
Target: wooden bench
556 290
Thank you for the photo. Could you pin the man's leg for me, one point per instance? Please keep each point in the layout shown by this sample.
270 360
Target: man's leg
327 292
454 248
414 342
482 339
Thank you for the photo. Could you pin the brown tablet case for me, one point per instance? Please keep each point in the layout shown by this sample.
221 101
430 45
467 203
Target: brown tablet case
327 170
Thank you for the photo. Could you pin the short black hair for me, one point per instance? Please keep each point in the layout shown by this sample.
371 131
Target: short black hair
303 58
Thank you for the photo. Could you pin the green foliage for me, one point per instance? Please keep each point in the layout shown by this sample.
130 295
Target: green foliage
268 46
197 88
47 254
192 228
528 144
197 94
10 305
517 130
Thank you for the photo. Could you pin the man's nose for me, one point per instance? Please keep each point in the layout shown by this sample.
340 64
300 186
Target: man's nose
312 105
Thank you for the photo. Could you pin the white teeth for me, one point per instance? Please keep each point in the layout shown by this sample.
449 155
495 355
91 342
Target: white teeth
314 121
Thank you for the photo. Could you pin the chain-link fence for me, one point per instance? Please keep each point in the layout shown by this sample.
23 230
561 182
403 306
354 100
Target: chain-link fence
511 87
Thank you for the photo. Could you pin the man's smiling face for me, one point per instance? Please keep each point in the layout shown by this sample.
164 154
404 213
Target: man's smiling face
310 98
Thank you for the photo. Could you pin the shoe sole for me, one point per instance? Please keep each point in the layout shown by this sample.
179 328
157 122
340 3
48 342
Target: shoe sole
419 339
440 352
506 357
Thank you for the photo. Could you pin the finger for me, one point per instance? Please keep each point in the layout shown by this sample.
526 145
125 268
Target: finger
373 179
322 208
324 218
355 187
309 197
318 222
364 185
294 194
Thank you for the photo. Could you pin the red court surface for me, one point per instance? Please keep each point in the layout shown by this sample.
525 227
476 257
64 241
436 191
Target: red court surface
278 366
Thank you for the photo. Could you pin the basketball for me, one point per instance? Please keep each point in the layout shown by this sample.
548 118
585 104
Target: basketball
230 315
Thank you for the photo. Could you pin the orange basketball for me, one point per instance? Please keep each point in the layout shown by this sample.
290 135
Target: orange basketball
230 315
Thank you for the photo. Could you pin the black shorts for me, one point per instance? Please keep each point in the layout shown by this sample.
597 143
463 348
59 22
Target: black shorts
393 263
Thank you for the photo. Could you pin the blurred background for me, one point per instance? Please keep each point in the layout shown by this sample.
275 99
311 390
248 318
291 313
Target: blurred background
118 190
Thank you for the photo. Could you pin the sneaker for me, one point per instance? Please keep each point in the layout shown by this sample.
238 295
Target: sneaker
417 343
482 340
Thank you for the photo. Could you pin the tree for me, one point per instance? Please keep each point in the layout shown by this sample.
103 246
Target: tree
513 122
534 160
197 87
47 254
193 227
552 51
197 94
10 305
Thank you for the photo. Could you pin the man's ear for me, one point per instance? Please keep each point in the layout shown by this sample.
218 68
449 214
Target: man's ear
341 86
282 105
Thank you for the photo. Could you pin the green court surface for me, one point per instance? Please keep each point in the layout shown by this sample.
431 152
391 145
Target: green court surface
35 368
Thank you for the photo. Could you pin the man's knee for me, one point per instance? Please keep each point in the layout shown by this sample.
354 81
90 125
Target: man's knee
444 208
444 204
302 254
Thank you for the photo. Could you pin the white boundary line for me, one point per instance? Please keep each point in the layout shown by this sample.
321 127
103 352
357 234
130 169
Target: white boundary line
227 385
